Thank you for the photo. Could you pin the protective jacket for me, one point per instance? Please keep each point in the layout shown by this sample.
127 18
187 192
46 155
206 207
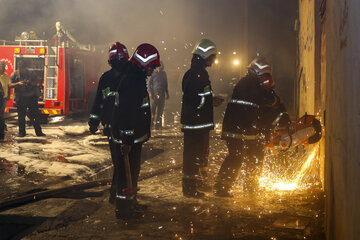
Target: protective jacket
131 113
253 111
197 102
104 101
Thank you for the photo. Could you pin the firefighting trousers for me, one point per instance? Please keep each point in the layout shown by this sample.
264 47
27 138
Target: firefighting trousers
112 146
249 153
157 109
120 173
2 117
30 103
196 152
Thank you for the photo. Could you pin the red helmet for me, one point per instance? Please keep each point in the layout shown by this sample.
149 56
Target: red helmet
118 51
146 56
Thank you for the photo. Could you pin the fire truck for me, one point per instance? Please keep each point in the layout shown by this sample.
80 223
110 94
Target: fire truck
67 71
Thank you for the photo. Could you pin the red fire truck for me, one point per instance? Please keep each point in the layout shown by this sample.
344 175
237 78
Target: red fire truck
68 73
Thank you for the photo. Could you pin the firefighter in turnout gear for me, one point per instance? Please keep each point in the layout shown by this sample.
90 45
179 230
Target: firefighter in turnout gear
197 119
252 113
131 127
105 98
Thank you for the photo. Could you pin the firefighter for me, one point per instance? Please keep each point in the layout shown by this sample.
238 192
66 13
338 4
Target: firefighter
4 96
197 119
131 127
105 98
26 95
254 110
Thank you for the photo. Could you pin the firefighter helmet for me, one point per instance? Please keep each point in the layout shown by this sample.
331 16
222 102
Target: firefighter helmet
204 48
118 52
146 56
261 69
259 66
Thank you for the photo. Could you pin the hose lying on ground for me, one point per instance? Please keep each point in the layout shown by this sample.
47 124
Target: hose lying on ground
29 198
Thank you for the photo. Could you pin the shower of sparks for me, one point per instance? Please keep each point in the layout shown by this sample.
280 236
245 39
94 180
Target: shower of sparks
281 183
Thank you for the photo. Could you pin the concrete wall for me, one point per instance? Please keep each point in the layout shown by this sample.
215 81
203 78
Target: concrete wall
306 68
343 119
311 85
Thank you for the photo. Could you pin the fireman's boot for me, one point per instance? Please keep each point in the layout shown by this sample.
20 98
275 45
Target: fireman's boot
222 188
126 209
251 183
189 187
225 180
202 183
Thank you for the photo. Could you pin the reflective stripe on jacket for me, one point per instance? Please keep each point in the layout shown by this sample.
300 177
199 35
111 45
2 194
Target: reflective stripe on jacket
197 102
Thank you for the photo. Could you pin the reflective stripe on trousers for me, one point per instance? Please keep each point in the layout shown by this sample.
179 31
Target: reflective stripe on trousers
197 126
241 136
138 140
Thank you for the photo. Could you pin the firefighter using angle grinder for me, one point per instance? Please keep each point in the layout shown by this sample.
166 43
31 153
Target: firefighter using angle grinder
131 128
197 119
105 98
254 110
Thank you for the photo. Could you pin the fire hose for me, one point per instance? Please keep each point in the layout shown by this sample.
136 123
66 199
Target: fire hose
33 197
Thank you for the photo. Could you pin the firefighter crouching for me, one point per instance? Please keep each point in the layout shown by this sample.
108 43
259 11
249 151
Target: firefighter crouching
105 98
197 119
254 110
131 128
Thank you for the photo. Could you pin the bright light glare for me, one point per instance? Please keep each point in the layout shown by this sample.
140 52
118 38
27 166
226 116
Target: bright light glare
216 61
234 53
285 186
236 62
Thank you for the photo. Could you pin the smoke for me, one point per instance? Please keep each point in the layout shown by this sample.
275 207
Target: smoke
173 26
131 22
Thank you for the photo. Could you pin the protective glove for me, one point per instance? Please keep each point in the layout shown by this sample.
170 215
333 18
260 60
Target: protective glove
93 126
93 129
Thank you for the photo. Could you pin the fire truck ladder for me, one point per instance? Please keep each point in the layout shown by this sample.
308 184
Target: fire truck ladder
52 69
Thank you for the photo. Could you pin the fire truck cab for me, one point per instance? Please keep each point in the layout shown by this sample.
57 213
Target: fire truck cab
67 73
